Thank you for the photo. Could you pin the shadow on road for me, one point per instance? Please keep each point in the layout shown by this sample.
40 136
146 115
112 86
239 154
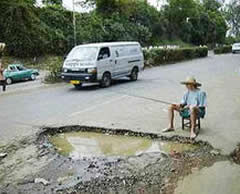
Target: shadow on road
92 87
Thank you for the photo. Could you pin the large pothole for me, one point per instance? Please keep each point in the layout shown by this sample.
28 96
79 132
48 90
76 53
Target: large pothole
96 160
78 145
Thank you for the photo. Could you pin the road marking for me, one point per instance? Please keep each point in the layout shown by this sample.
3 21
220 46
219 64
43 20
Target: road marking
96 106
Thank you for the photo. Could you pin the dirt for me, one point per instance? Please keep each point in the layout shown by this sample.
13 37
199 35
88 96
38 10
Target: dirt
236 155
154 172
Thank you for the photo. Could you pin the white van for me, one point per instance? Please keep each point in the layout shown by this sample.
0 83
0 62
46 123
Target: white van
102 62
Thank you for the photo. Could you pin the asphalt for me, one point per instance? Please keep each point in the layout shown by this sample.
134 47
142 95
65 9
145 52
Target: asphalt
23 110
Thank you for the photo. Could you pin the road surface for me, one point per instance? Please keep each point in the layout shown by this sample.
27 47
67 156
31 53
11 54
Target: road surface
23 111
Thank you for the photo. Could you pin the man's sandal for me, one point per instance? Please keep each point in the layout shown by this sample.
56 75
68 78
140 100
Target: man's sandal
193 136
169 129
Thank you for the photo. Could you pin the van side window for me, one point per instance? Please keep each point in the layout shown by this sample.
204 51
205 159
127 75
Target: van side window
104 53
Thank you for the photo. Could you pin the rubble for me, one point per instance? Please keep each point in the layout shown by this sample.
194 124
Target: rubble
42 181
3 155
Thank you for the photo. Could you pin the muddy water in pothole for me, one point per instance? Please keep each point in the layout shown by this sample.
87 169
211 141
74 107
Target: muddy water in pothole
221 178
87 144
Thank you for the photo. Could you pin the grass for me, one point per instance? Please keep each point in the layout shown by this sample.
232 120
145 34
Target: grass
40 63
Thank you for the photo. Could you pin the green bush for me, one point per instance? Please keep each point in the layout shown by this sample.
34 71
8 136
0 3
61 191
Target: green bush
223 49
54 67
159 56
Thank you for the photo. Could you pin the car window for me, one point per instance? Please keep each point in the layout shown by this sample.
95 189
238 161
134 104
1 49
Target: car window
104 53
12 68
20 68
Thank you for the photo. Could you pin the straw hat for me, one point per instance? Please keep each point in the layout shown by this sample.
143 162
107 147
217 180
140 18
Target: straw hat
191 80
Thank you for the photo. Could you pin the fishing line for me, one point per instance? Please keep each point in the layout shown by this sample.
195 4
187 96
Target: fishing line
146 98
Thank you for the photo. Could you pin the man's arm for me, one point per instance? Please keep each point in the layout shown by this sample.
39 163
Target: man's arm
183 101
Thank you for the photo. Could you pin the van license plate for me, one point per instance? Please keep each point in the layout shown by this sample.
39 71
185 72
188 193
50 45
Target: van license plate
75 82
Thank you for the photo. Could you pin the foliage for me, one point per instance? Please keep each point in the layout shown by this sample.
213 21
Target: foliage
223 49
157 56
21 28
55 68
195 22
95 28
231 40
59 26
52 2
233 17
31 31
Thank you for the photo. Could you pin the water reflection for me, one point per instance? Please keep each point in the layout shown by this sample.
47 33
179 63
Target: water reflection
86 144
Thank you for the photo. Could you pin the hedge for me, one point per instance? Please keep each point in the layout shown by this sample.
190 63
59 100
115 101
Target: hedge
158 56
223 49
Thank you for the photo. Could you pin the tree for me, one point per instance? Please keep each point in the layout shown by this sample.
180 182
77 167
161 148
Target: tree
58 22
233 17
177 12
211 5
21 28
217 26
52 2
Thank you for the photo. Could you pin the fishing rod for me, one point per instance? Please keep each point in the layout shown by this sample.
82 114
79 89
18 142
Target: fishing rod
147 98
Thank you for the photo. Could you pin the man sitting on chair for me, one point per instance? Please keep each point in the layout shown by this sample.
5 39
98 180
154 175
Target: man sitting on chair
190 105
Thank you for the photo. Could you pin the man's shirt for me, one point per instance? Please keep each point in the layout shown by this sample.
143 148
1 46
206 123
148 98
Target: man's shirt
195 98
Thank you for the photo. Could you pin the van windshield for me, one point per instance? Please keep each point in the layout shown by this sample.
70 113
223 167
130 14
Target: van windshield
83 54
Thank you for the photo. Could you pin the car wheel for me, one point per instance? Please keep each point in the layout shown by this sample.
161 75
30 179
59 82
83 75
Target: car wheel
78 86
9 81
106 80
33 77
134 74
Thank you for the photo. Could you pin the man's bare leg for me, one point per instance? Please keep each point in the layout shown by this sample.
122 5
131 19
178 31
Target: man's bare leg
171 109
193 117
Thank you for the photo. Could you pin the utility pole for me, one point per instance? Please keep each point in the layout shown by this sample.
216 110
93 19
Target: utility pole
74 23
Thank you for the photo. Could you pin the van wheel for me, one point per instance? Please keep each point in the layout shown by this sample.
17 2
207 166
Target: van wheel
106 80
134 74
78 86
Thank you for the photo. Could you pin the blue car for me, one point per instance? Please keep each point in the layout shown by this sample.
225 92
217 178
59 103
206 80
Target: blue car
17 72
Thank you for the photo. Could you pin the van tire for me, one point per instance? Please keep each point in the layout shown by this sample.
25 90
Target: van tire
134 74
106 80
78 86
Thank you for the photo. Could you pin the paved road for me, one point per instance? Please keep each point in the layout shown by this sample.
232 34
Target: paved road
26 85
55 105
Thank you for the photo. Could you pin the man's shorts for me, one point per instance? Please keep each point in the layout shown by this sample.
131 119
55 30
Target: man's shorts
186 112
